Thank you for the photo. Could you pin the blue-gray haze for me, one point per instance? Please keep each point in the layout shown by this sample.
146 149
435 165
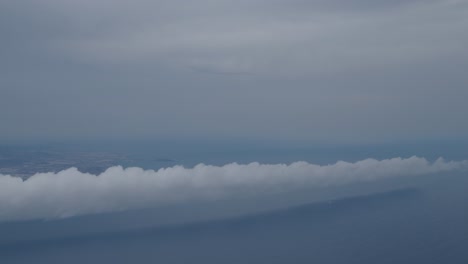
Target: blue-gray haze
354 70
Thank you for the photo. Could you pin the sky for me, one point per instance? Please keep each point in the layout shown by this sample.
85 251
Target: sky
324 70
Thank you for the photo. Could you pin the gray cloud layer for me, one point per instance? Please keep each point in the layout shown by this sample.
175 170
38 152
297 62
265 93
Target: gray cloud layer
70 192
259 37
352 70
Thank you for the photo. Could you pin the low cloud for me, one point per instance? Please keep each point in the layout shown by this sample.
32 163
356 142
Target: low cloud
71 192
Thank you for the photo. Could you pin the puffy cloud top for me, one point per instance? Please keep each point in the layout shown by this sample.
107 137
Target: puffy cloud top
71 192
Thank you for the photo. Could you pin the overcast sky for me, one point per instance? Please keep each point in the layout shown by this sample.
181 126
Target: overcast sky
334 70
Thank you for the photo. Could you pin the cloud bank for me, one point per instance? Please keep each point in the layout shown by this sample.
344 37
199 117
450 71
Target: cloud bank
71 192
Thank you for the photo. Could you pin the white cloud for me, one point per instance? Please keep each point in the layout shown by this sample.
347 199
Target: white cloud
70 192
